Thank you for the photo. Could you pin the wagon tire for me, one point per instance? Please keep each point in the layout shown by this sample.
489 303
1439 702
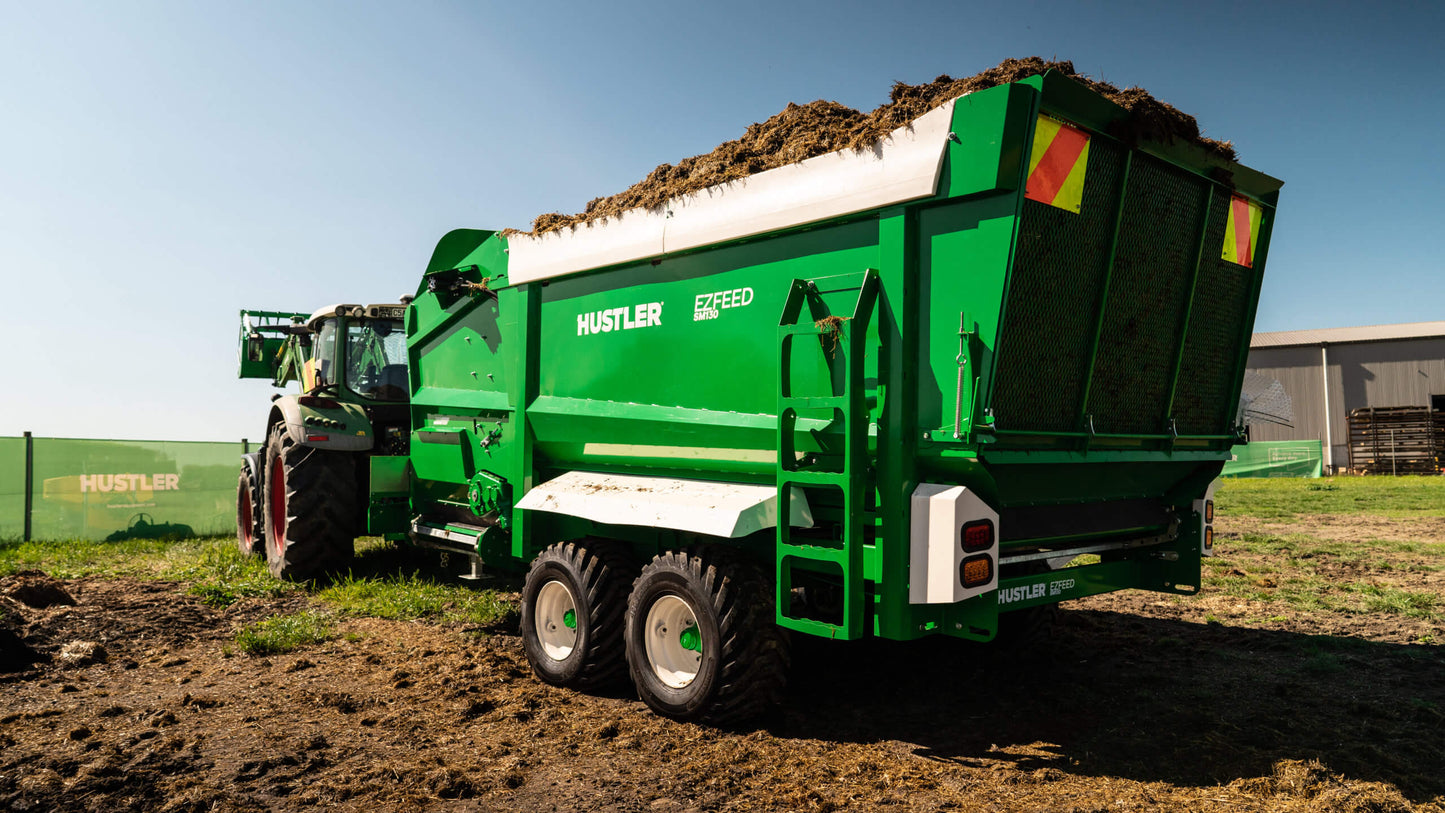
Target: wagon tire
702 643
1027 628
310 508
574 602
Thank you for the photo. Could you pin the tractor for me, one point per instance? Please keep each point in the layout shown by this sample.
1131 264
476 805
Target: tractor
301 499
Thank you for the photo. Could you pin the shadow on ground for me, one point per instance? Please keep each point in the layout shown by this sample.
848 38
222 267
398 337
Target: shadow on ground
1110 694
387 560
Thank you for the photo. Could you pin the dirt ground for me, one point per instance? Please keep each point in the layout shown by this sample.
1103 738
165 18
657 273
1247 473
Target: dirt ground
1137 701
802 131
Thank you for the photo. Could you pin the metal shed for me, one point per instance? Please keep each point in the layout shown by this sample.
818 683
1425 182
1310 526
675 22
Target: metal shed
1331 371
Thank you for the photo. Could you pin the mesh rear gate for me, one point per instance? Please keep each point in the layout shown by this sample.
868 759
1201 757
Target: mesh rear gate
1058 279
1207 400
1062 365
1148 294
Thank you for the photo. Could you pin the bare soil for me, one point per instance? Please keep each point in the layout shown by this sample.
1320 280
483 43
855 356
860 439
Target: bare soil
1135 701
802 131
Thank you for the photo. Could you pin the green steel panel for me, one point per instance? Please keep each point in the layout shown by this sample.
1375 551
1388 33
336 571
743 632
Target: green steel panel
1069 583
964 250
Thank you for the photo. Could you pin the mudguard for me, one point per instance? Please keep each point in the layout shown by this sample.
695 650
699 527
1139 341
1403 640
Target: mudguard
253 464
324 423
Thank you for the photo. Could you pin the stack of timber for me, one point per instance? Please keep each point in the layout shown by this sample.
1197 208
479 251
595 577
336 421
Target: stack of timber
1396 440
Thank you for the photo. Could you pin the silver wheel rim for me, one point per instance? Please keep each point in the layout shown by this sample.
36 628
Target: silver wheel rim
670 637
556 620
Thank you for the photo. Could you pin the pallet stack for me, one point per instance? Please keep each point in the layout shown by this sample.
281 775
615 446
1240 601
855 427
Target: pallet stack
1440 439
1396 440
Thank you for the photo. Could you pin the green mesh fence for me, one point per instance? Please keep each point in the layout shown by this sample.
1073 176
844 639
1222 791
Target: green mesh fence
1277 458
119 489
12 488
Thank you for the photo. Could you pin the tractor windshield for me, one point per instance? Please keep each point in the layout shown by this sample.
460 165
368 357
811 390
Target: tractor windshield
376 359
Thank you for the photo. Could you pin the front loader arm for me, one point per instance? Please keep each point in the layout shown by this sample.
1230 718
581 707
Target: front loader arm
273 345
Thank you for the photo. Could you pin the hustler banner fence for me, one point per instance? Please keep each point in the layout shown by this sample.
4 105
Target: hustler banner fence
71 488
1277 458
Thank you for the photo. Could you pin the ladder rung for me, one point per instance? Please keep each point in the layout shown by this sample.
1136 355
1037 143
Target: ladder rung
801 329
815 401
817 553
825 478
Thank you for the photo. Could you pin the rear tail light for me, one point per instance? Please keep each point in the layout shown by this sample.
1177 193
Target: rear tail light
1209 539
1209 510
976 570
977 536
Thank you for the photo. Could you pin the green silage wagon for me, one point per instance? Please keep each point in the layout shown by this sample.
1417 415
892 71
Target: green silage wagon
893 392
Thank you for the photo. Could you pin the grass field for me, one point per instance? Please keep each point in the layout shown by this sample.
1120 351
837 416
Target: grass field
1305 676
384 583
1289 497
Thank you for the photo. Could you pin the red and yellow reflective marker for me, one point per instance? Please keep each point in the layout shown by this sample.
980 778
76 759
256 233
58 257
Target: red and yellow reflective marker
1056 167
1241 233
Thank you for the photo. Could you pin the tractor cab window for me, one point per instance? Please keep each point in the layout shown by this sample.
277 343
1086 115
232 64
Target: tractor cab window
376 360
323 355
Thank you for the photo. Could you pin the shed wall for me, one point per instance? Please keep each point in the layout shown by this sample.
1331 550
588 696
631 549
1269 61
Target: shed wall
1370 374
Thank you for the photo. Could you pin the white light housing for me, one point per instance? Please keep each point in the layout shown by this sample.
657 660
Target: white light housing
936 543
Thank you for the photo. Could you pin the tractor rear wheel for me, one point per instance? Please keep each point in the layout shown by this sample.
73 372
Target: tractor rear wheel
573 605
250 523
310 508
701 639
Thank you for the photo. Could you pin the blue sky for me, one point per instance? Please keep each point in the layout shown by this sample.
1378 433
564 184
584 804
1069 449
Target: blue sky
164 164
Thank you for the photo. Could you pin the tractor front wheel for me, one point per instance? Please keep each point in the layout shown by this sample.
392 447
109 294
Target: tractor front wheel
701 639
310 508
250 525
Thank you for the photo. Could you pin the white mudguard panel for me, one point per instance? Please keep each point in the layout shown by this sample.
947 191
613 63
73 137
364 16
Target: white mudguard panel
728 510
939 514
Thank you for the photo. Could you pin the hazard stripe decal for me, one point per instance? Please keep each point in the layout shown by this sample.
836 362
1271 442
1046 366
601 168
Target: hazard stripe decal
1057 164
1241 231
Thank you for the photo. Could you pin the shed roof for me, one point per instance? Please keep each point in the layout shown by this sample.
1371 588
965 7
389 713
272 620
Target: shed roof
1342 335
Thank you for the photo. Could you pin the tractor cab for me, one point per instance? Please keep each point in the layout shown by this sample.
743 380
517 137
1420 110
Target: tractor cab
360 349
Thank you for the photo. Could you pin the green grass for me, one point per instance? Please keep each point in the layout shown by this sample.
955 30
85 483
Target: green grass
284 633
1304 589
411 597
73 559
1416 496
220 575
1298 549
217 573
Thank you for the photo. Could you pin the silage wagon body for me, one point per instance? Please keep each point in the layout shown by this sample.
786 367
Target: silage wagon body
912 381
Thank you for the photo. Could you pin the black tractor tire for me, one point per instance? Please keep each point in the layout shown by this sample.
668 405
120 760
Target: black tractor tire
310 508
250 523
586 653
742 655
